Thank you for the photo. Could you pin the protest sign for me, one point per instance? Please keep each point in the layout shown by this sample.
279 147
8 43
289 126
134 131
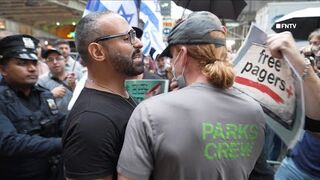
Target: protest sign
145 88
272 82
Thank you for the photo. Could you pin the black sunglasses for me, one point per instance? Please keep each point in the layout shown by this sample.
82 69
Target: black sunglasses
131 35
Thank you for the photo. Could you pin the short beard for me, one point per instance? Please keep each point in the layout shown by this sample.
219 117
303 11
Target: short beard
124 64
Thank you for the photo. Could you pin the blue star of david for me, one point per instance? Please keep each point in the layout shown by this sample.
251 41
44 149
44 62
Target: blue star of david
122 12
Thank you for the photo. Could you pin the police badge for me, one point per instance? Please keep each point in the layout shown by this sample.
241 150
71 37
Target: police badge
52 106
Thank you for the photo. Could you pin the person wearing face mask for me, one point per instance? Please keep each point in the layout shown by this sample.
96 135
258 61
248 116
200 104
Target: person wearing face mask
181 82
206 130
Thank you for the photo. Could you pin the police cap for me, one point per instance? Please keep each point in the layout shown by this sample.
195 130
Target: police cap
20 46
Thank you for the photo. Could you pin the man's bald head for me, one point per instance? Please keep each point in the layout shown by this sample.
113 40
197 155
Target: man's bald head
89 28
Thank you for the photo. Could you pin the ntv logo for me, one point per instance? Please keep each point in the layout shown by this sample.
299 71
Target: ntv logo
286 26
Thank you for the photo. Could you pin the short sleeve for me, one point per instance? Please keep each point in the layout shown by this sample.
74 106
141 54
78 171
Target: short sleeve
91 147
136 160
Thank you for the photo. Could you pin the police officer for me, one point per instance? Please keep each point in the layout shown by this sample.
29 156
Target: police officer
30 123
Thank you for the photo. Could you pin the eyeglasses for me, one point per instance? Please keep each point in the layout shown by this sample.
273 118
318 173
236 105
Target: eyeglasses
51 59
131 36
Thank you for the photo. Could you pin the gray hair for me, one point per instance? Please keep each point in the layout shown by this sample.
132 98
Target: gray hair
315 33
87 30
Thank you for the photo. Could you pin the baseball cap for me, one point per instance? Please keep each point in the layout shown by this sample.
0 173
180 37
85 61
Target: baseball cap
48 51
139 32
154 53
20 46
195 29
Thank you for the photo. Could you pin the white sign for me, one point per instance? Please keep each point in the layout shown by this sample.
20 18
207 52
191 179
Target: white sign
269 81
274 83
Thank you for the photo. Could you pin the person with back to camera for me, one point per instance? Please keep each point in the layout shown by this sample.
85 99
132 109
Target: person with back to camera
206 130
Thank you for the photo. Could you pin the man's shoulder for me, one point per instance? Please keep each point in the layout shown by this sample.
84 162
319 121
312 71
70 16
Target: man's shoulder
44 78
47 82
71 59
89 126
245 97
6 94
43 91
87 117
164 100
92 105
3 87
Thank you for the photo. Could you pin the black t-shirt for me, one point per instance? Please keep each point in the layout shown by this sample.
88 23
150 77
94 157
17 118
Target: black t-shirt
94 134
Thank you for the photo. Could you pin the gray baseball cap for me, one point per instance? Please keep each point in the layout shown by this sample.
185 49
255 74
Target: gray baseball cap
195 29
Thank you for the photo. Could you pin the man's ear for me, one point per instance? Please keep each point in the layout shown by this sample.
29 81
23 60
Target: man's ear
184 52
224 29
96 52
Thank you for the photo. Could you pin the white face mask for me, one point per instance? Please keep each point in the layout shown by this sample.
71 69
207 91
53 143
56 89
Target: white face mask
180 78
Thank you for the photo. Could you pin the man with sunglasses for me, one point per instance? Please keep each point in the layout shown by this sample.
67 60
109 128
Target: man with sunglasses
60 82
96 124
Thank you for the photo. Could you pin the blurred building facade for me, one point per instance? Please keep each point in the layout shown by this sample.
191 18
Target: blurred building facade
57 18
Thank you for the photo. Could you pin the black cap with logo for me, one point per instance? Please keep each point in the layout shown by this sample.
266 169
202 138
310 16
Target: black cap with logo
19 46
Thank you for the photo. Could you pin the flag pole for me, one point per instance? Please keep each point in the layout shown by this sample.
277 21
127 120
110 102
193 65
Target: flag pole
138 3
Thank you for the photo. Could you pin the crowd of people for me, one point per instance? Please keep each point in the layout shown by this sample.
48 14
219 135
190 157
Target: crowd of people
65 118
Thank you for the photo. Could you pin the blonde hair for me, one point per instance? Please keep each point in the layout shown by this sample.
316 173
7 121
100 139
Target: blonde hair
213 62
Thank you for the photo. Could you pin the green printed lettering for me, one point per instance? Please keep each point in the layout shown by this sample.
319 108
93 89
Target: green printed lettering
210 155
246 149
253 132
207 128
242 131
233 150
231 131
222 150
236 134
218 132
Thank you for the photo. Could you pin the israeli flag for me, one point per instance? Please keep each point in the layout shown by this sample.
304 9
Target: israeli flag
152 32
149 14
127 9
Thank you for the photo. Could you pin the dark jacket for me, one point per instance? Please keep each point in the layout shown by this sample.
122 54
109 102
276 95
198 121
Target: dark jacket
29 136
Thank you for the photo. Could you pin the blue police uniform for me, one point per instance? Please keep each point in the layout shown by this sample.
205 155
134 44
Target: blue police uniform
30 126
